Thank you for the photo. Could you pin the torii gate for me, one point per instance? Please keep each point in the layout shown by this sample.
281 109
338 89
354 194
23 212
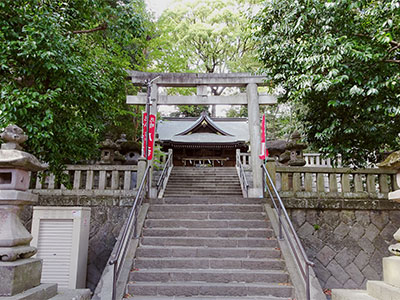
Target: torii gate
201 81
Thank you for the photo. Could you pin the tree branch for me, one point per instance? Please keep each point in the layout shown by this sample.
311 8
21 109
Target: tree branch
394 61
98 28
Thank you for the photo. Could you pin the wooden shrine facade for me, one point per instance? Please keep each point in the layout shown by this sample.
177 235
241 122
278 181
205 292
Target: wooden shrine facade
204 141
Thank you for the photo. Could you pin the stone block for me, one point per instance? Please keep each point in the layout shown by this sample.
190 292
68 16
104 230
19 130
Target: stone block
391 270
371 232
342 230
362 217
356 276
326 255
338 272
361 260
344 257
382 290
370 273
19 276
379 219
356 231
41 292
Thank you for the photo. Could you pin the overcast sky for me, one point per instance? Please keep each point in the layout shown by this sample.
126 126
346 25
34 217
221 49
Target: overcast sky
158 6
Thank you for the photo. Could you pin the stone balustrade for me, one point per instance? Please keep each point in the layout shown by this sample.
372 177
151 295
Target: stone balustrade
245 159
346 187
316 160
90 180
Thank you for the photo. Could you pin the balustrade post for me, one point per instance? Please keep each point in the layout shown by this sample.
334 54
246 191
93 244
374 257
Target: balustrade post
271 168
140 171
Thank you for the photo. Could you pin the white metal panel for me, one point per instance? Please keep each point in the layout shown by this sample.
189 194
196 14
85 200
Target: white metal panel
55 247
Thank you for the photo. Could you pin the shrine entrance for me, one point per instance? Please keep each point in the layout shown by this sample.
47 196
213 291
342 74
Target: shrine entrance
203 141
197 143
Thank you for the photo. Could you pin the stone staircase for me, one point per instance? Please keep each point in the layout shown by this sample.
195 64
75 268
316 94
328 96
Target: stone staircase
216 245
192 181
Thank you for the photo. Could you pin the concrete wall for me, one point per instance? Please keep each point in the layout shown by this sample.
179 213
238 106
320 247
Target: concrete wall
347 246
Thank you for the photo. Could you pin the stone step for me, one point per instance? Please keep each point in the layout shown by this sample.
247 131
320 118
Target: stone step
213 275
206 223
43 291
215 289
199 193
206 215
205 180
382 291
209 242
216 252
207 207
207 298
72 294
207 200
203 185
210 263
351 294
206 232
211 189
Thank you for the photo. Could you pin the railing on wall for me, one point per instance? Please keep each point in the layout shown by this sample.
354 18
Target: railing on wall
324 181
162 181
242 175
287 231
89 179
129 231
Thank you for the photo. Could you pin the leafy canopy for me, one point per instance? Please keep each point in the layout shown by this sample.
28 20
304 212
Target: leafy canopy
339 60
62 71
206 36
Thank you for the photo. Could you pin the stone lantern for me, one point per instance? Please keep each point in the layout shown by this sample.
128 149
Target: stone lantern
393 162
108 148
17 272
391 265
293 156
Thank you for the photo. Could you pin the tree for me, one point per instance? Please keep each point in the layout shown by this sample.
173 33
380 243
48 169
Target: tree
340 61
62 72
208 36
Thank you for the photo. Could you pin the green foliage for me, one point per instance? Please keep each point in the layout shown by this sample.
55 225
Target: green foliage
339 61
62 72
207 36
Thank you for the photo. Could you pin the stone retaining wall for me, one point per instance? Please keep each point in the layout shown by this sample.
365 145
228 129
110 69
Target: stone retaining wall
347 246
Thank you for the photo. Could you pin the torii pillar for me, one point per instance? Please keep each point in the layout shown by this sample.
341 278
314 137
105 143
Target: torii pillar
253 108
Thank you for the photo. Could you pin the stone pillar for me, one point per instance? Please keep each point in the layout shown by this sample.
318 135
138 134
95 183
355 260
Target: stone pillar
391 265
140 171
255 139
18 272
271 167
153 111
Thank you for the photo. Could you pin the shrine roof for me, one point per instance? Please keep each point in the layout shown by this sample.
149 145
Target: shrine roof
215 130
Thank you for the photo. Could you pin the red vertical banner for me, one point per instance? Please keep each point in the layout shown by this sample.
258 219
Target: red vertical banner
264 151
152 132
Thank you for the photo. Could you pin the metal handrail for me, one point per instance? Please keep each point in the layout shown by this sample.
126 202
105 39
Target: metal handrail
168 164
130 230
293 238
242 176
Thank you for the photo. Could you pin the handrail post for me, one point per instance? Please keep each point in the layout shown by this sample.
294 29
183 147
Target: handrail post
308 292
114 291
